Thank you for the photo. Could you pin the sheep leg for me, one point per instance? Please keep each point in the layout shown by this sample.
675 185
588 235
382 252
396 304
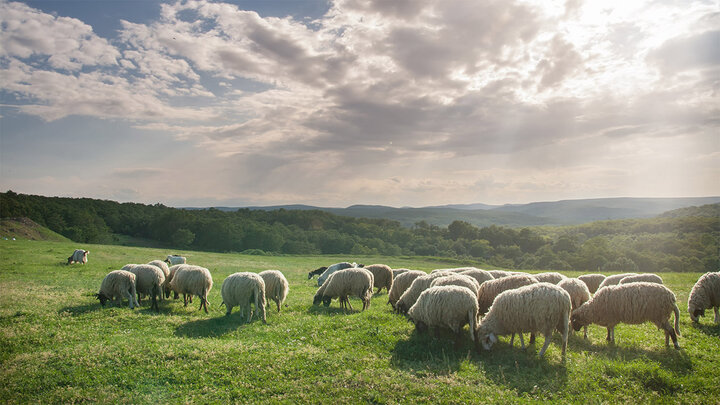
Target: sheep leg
585 332
512 339
278 304
229 308
547 343
203 303
608 338
670 333
347 301
185 301
717 315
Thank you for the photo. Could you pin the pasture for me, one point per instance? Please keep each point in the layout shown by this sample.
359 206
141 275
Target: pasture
58 345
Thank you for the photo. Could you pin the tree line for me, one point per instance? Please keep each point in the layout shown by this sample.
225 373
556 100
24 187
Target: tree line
681 240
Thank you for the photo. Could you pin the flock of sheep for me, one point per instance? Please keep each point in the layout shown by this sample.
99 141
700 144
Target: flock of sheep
492 303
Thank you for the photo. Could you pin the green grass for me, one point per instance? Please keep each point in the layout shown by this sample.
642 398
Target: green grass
57 345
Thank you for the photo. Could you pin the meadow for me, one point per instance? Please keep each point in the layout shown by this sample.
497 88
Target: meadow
58 345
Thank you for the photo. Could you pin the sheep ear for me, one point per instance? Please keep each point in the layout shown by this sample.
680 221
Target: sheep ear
493 338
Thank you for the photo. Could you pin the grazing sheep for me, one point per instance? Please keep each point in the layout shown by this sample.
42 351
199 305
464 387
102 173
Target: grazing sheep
128 266
195 280
316 272
550 277
705 294
491 289
332 269
499 273
459 280
276 286
166 271
149 280
78 256
448 306
397 272
401 283
454 269
418 285
480 275
614 279
383 276
539 307
632 303
171 274
592 281
175 259
242 289
342 284
647 277
118 284
579 294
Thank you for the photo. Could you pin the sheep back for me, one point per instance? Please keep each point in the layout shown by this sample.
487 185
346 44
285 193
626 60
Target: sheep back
705 294
420 284
614 279
647 277
446 306
276 286
332 269
242 289
401 283
549 277
499 273
491 289
480 276
592 281
383 276
578 290
459 280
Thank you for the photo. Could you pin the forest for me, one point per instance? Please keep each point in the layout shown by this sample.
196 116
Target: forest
683 240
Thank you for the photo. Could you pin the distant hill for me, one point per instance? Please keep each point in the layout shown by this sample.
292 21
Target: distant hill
709 210
25 228
565 212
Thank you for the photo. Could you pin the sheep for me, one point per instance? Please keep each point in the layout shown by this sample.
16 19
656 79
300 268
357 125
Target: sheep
490 289
175 259
454 269
196 280
149 280
276 286
332 269
705 294
632 303
459 280
166 271
78 256
242 289
420 284
614 279
397 272
171 274
342 284
499 273
579 294
118 284
383 276
539 307
128 266
401 283
447 306
550 277
648 277
316 272
480 275
592 281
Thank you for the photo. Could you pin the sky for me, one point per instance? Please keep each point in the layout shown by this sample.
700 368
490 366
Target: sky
334 103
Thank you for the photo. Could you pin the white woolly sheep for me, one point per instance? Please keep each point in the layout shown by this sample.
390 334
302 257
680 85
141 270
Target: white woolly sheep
171 274
449 306
647 277
78 256
454 269
549 277
705 294
632 303
175 259
241 290
332 269
401 283
480 275
149 280
397 272
579 294
492 288
459 280
420 284
614 279
539 307
128 266
383 276
118 284
499 273
276 286
195 280
342 284
592 281
166 271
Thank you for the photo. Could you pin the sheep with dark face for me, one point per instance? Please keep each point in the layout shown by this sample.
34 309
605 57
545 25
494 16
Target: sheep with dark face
118 284
317 272
633 303
705 294
538 307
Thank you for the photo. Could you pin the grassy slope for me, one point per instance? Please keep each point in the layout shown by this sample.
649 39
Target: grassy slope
25 228
58 345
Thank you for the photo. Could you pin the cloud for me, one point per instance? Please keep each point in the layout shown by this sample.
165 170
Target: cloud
687 53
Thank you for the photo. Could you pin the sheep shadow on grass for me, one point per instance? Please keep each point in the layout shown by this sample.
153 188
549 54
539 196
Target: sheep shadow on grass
78 310
211 327
323 310
434 353
708 329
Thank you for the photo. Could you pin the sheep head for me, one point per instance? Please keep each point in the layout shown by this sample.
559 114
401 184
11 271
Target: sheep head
487 339
326 301
696 313
102 297
317 299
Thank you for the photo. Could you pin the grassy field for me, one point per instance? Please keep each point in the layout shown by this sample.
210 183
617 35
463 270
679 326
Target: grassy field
57 344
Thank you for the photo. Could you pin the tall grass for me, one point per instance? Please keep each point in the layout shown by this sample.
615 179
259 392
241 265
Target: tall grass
57 344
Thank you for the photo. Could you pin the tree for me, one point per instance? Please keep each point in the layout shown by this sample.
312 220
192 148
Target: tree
182 237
